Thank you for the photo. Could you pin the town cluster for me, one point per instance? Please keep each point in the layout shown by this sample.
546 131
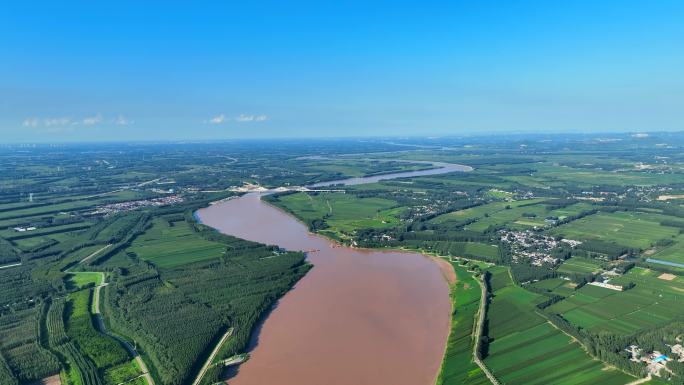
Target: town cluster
133 205
533 247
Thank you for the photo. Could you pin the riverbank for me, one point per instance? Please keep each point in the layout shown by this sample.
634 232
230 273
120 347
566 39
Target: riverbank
458 365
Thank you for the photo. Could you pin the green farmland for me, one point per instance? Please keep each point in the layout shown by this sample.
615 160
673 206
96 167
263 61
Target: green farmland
652 302
672 253
343 213
171 244
81 279
578 265
636 230
458 366
527 349
506 211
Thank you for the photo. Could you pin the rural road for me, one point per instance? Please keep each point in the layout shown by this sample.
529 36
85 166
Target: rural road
94 253
478 334
207 364
641 380
11 265
101 325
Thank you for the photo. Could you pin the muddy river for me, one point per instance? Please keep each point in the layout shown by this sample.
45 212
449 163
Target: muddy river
358 317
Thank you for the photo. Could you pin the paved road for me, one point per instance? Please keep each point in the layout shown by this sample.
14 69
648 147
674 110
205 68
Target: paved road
94 253
207 364
478 334
101 325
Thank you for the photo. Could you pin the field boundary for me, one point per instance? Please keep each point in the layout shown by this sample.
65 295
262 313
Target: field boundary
482 312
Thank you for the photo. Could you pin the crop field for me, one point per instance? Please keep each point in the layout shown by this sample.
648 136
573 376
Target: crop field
527 349
636 230
31 243
650 303
122 373
119 225
571 210
542 354
168 246
519 215
480 250
342 212
479 212
555 175
556 286
11 234
515 216
672 253
357 168
458 366
81 279
578 265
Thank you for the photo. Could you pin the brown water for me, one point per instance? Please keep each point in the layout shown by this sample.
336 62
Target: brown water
358 317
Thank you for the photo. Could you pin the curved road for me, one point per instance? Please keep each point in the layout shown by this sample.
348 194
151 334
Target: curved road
100 321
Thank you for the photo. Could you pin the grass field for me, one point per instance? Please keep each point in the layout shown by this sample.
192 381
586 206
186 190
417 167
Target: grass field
650 303
556 175
343 212
527 349
636 230
80 279
672 253
358 168
12 234
30 243
557 286
458 366
521 215
122 373
479 212
167 246
577 265
481 250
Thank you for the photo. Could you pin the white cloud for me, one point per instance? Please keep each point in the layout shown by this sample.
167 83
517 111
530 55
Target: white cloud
250 118
92 120
122 121
56 122
31 122
242 118
218 119
63 121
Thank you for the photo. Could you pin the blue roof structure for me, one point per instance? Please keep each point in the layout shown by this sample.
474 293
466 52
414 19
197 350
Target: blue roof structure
660 358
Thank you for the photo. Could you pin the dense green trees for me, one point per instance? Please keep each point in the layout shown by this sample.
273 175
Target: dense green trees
104 351
22 355
71 356
176 315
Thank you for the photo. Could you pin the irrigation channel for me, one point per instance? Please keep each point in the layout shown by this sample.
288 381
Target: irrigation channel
359 316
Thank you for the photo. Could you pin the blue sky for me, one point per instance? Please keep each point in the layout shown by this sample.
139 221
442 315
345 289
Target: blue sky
123 70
